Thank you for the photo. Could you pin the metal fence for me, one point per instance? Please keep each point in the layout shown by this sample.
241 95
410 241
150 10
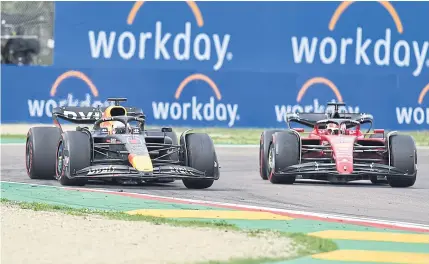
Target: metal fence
27 30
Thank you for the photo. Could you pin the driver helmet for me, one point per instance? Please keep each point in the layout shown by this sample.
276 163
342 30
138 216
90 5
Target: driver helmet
333 129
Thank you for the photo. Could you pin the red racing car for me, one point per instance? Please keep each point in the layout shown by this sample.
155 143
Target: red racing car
336 150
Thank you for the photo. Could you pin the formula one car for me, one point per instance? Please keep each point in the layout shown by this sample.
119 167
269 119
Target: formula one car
115 149
336 150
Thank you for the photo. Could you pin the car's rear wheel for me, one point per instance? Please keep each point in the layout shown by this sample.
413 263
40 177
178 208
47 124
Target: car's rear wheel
403 155
40 150
73 154
264 148
201 155
284 152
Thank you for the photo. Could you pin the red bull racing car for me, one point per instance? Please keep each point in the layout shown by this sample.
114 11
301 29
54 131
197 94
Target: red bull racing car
336 150
118 148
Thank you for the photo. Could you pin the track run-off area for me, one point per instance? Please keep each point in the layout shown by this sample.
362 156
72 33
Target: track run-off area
369 222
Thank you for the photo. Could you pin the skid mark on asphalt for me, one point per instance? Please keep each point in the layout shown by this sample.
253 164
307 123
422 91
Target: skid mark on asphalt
374 256
372 236
210 214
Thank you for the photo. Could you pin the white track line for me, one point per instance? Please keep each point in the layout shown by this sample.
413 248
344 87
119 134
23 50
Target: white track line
344 218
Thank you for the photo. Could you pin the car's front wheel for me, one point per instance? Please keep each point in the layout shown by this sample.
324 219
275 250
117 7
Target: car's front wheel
403 155
284 152
201 155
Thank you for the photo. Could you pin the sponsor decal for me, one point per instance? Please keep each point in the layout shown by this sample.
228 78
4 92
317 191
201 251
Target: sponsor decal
81 115
157 42
106 170
134 140
359 49
179 171
196 108
418 115
43 107
316 107
135 130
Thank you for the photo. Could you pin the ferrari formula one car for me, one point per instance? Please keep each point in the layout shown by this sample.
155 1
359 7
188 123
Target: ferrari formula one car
336 150
115 149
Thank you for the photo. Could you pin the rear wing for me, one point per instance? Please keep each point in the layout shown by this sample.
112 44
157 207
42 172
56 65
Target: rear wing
313 119
87 115
306 119
77 115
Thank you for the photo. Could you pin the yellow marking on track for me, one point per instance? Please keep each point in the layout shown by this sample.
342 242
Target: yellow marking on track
372 236
374 256
210 214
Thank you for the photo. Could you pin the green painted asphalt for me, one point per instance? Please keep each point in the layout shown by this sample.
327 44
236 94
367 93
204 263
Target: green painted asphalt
11 140
104 201
80 199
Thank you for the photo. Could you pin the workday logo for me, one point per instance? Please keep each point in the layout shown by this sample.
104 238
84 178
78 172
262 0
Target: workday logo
316 107
359 49
157 42
43 107
415 115
196 109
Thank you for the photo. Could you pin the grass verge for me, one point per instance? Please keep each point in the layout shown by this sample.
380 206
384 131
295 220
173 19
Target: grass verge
305 245
244 136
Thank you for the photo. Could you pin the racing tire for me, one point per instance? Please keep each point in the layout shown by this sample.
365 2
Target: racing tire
284 152
264 148
201 155
40 152
73 154
403 155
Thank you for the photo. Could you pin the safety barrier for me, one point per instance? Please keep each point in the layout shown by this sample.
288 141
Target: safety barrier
232 64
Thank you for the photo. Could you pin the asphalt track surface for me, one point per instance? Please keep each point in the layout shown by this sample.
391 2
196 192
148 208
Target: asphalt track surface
240 183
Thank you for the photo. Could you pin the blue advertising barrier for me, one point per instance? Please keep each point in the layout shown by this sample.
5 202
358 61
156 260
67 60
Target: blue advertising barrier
232 64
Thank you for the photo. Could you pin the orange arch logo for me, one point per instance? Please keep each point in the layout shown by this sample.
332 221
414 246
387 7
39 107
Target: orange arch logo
317 80
192 5
194 77
423 93
75 74
388 6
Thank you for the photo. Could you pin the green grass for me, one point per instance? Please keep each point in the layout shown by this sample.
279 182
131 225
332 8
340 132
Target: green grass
119 215
305 245
247 136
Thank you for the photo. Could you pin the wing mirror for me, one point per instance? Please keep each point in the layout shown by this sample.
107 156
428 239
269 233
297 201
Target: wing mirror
166 129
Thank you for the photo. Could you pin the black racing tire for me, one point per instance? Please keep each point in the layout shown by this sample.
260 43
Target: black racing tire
403 155
73 154
40 152
264 146
201 155
284 152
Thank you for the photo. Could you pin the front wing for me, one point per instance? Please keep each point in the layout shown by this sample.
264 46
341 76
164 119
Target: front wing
124 171
331 169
